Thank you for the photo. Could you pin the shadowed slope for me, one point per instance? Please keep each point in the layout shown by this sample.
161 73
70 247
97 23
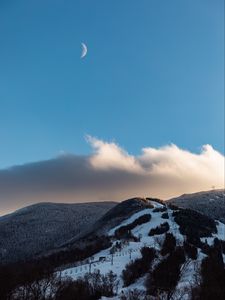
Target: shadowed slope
41 227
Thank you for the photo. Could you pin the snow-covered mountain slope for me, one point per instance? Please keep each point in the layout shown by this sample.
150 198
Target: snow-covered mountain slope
155 226
38 228
119 213
210 203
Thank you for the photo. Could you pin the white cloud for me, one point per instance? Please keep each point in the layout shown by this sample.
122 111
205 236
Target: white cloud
110 173
111 156
169 162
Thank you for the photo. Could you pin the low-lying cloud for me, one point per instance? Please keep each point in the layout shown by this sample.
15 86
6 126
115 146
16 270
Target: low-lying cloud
110 173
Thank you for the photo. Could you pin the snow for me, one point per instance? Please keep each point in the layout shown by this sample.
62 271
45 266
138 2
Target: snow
220 234
128 253
120 259
130 220
137 215
131 251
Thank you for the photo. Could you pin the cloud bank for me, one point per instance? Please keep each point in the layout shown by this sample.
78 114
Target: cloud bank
110 173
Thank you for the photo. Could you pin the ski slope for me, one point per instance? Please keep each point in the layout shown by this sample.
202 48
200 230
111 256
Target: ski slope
116 262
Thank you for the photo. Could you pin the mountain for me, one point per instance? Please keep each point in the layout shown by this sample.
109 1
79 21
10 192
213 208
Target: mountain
38 228
173 237
210 203
139 248
118 213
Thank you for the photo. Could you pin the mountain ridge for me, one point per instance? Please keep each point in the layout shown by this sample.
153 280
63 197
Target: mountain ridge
211 203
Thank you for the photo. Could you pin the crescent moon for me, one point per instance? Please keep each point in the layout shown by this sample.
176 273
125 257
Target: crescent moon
84 50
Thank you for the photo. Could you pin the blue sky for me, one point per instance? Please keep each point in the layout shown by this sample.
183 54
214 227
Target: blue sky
154 75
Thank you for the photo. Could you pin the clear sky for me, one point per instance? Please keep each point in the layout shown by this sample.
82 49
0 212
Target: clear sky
153 75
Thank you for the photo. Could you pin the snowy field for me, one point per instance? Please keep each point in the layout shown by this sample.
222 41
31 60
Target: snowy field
131 251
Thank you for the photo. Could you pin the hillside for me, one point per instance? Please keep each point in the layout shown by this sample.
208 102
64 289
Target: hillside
210 203
154 250
38 228
165 232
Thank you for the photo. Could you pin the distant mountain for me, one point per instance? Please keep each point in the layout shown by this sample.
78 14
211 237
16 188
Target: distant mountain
210 203
38 228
